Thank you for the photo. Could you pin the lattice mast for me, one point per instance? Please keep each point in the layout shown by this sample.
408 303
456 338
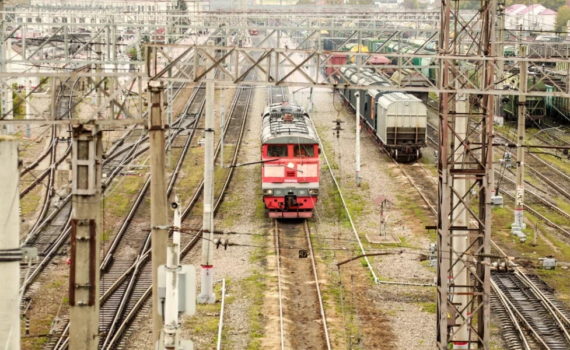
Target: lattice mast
465 164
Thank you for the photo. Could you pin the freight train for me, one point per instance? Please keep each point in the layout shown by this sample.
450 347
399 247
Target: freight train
290 158
397 120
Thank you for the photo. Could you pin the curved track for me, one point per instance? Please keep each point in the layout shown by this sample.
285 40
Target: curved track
531 319
131 281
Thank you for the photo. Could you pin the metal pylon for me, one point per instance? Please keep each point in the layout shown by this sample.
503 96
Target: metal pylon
465 157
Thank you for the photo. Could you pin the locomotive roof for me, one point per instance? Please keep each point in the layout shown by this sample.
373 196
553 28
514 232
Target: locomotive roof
286 123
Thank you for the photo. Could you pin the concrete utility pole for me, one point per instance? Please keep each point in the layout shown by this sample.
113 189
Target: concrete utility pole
460 242
222 123
5 93
171 336
357 138
499 76
500 51
85 229
207 274
518 223
28 116
158 201
99 92
9 245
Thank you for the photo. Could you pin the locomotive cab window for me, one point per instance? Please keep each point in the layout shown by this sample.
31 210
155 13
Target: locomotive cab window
304 151
277 150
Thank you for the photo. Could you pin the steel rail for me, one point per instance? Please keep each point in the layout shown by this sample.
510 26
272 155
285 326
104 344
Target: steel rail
515 314
42 156
63 340
132 314
542 200
109 254
556 314
528 208
139 262
321 305
141 259
280 290
324 154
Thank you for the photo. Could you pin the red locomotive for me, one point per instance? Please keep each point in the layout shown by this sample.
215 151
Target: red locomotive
290 156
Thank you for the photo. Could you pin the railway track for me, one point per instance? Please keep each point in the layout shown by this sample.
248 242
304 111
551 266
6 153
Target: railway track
530 318
118 276
234 133
51 233
539 203
53 216
129 284
537 322
302 301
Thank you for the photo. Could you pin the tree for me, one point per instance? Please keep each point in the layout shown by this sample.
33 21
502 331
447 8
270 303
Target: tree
360 2
470 5
411 4
551 4
562 18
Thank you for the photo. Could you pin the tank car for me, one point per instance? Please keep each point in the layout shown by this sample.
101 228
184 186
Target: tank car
397 120
290 158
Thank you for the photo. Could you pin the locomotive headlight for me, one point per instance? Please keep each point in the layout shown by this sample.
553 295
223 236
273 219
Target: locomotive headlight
267 192
313 191
291 165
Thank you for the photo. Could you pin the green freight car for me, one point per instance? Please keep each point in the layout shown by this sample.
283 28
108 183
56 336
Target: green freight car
557 108
535 107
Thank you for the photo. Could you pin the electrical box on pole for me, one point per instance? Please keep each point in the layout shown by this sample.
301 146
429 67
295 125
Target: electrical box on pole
186 289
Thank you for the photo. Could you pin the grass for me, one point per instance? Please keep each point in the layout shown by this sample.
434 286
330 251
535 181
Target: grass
430 307
32 200
255 287
106 235
192 173
120 200
42 325
502 218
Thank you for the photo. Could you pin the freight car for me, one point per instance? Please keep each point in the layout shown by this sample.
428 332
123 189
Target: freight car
535 109
397 120
290 157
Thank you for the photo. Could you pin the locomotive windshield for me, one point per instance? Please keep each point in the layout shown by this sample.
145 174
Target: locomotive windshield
304 151
277 150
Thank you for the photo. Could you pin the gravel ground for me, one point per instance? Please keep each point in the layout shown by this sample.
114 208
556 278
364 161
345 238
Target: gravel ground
232 264
411 320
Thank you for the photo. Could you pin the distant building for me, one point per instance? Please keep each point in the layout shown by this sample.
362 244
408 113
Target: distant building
388 3
125 5
533 17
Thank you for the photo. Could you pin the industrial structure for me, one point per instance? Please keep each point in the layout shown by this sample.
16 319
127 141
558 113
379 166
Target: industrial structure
127 65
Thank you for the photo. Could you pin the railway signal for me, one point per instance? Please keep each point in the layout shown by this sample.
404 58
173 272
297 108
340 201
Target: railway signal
177 290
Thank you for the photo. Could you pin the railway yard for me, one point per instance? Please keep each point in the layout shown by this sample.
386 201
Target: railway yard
310 221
